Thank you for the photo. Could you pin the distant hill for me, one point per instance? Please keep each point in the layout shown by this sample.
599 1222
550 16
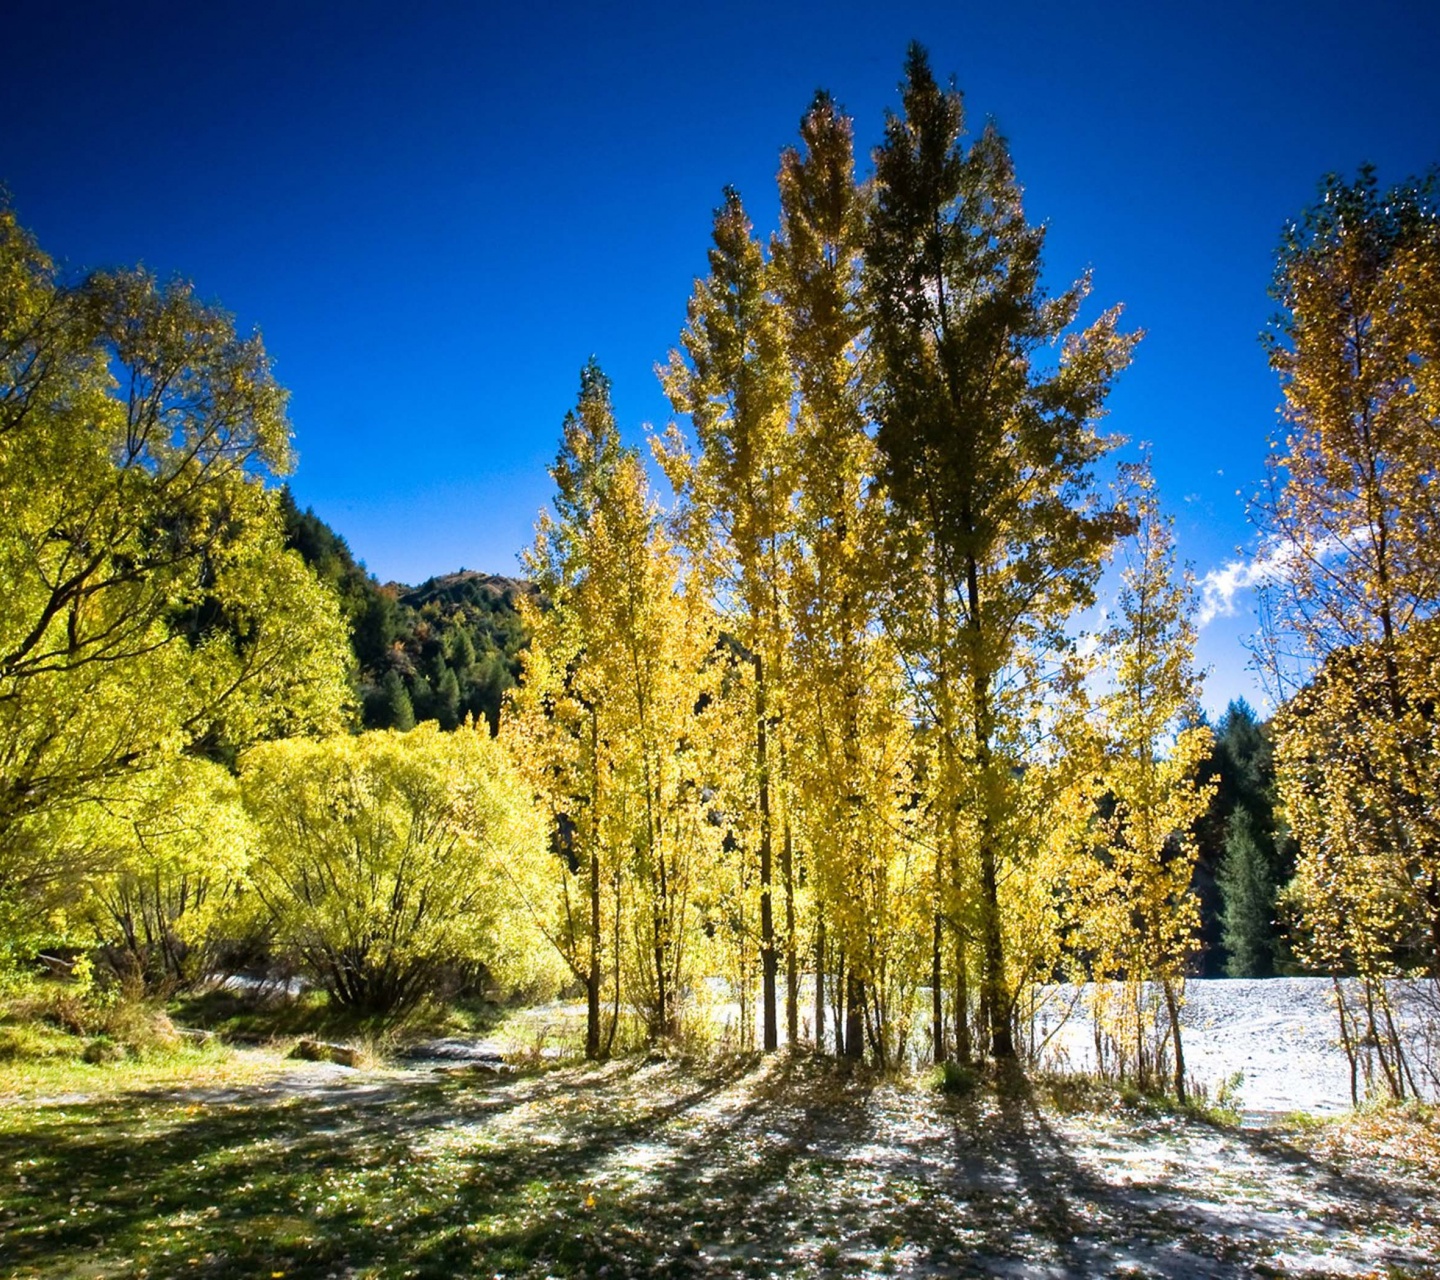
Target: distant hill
440 651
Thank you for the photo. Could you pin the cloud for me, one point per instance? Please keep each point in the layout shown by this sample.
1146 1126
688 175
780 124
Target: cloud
1219 587
1275 563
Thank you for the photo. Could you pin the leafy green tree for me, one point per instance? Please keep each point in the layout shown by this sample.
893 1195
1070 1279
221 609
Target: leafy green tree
368 608
987 457
150 604
384 858
174 844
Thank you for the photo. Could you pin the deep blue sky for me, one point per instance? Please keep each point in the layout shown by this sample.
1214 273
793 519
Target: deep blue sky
436 213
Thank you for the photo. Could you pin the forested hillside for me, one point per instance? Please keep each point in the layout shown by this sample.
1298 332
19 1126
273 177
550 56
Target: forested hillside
442 651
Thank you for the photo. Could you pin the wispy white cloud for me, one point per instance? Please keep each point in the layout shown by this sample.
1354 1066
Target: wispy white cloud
1274 563
1219 587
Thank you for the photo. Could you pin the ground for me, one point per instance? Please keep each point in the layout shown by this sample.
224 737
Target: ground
738 1166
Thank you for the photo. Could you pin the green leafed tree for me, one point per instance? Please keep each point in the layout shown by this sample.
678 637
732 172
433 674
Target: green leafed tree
384 858
150 605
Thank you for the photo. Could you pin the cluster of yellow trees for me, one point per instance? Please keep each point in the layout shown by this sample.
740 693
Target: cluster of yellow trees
1354 513
824 731
819 741
176 775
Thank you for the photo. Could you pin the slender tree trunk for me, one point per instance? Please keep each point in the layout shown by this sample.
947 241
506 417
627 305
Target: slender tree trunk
855 1018
662 989
592 974
937 994
615 1012
963 1050
1002 1044
1347 1040
1172 1006
792 957
820 984
768 958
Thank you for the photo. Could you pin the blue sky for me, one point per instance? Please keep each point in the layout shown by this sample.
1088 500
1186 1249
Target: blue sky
436 213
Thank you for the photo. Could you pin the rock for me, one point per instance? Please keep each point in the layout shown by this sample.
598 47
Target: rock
103 1050
455 1049
322 1051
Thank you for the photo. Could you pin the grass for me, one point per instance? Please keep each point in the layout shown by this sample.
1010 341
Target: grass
258 1016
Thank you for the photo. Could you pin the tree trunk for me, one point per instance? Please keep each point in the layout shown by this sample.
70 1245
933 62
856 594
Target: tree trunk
592 973
937 994
963 1051
855 1018
820 984
768 965
792 959
1172 1006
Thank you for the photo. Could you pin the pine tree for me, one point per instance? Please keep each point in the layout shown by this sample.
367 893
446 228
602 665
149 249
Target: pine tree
395 710
446 702
1242 768
1247 888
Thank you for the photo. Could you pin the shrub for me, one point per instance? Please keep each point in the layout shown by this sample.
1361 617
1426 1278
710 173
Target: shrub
386 858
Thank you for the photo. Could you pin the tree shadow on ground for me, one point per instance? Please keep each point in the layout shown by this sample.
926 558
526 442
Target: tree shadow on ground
739 1167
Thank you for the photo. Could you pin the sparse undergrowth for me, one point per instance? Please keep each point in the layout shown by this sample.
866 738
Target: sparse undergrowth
681 1166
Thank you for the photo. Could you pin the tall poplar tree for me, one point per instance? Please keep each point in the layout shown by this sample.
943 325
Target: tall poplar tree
986 454
834 570
612 718
849 728
1353 506
731 378
560 729
1141 920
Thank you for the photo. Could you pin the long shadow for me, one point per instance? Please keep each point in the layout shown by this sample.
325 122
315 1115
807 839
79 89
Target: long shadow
1068 1217
717 1200
647 1169
306 1184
